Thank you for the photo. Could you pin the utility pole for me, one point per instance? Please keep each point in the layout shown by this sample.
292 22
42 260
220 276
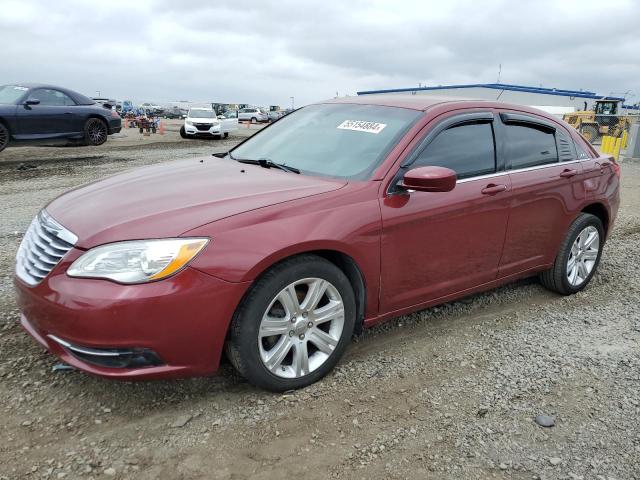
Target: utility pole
292 103
499 72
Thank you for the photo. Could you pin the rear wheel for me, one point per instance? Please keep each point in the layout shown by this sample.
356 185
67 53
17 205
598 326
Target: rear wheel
578 258
254 120
4 137
226 134
95 132
294 324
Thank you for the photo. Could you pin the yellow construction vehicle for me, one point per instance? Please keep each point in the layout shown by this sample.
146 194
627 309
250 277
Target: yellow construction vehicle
605 120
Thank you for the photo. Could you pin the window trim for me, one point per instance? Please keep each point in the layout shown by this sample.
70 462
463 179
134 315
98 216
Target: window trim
527 121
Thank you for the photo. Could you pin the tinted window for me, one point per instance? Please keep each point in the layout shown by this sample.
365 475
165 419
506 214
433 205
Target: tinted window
528 146
566 149
51 97
466 149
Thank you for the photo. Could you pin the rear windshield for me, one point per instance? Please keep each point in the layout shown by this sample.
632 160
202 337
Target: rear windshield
337 140
11 93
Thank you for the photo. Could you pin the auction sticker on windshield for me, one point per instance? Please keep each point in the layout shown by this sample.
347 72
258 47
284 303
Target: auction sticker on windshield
362 126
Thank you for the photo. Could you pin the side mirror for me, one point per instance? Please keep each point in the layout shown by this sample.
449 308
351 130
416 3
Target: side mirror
32 101
430 179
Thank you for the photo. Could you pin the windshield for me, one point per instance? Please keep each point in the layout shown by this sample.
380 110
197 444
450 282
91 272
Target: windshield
337 140
195 113
11 93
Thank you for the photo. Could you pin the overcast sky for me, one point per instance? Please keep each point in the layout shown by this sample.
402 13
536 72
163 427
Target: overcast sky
263 52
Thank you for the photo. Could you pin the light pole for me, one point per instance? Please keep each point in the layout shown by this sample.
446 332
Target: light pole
98 92
291 103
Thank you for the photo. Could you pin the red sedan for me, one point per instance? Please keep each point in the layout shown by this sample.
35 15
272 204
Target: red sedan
337 217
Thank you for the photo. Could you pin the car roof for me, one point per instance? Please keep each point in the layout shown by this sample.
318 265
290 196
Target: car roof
77 97
425 103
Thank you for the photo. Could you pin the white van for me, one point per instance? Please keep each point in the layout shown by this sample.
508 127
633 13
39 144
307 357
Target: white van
205 122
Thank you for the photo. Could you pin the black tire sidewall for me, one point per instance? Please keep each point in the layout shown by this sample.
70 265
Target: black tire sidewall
6 130
578 226
247 322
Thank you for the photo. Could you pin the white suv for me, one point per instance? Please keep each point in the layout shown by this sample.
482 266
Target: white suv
205 122
253 115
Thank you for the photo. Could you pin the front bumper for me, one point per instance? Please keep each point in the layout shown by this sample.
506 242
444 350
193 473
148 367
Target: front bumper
175 327
213 130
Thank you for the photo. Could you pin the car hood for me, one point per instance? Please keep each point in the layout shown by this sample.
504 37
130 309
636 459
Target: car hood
170 199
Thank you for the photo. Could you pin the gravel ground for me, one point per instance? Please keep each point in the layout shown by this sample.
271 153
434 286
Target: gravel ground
449 392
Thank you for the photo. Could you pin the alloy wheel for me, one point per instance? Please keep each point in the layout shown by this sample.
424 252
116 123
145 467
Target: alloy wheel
301 328
97 132
583 256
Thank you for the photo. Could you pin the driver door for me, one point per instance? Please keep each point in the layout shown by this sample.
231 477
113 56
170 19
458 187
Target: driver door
436 244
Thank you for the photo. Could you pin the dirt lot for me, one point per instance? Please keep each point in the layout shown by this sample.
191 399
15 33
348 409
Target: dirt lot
450 392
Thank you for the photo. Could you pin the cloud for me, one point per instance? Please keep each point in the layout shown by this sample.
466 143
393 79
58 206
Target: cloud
265 52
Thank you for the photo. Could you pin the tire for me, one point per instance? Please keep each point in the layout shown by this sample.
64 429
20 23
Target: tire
560 278
590 133
254 120
226 134
183 133
255 355
95 132
4 136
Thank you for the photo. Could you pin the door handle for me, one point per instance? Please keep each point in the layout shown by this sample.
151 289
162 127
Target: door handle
492 189
568 173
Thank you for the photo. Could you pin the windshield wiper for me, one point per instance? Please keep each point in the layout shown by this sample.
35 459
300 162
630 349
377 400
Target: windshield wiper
266 163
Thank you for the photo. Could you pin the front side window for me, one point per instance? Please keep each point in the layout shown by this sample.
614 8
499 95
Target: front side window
51 97
337 140
467 149
529 146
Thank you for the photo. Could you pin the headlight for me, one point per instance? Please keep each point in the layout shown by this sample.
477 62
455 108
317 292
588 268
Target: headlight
137 261
189 122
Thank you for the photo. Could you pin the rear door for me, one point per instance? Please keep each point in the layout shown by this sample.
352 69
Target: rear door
547 189
52 117
436 244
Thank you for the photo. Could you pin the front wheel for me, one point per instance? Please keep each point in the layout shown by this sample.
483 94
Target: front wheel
578 258
294 324
4 137
183 132
95 132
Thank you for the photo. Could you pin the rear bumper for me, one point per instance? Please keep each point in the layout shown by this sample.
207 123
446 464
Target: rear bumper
115 125
179 324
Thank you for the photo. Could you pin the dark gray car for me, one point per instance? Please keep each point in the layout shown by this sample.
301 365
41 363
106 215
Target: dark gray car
46 113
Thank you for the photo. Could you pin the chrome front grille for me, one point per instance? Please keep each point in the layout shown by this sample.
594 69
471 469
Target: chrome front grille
43 246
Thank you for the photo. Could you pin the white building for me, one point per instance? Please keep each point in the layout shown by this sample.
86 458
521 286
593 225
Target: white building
553 100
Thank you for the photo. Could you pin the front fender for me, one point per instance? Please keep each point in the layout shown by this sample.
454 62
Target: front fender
347 221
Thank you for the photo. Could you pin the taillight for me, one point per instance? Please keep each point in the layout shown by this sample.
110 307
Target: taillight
115 114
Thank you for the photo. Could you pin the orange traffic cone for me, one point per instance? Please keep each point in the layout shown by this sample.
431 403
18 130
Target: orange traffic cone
161 127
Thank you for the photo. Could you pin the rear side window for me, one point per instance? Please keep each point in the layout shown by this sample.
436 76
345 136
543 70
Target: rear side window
566 148
529 146
466 149
51 97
